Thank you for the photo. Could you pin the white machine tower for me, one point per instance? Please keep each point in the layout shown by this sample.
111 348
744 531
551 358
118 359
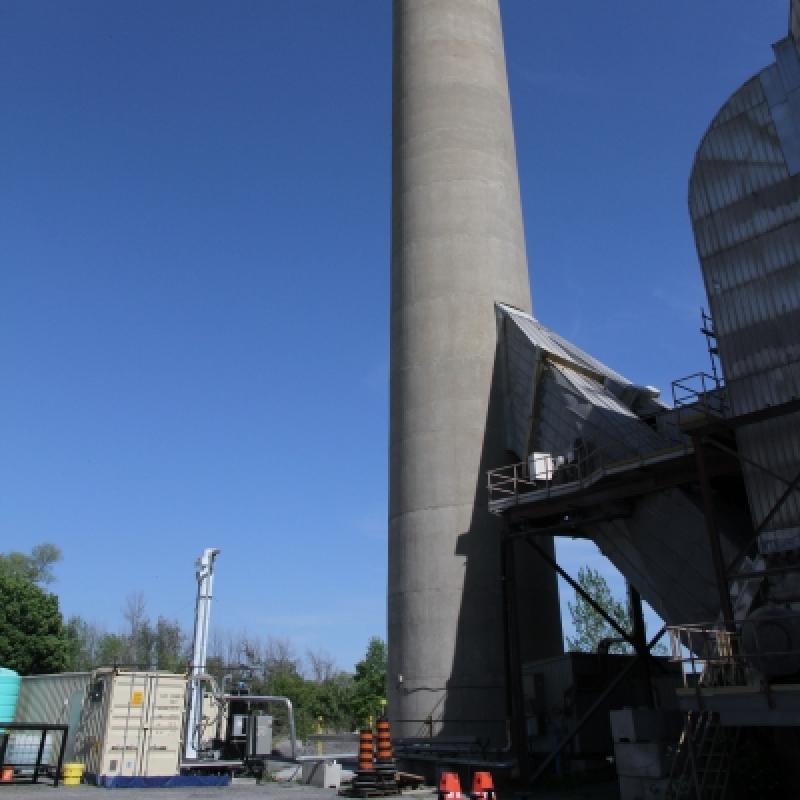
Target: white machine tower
202 619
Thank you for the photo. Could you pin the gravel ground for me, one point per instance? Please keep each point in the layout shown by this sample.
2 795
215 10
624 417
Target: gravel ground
236 791
267 791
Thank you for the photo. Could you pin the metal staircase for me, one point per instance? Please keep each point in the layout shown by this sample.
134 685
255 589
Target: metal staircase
702 764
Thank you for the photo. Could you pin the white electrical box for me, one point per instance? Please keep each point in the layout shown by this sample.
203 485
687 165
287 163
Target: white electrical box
259 735
541 466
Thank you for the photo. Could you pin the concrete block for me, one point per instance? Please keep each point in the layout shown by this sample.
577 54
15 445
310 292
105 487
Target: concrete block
324 774
641 759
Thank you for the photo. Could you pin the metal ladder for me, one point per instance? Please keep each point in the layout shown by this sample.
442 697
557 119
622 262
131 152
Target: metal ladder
702 765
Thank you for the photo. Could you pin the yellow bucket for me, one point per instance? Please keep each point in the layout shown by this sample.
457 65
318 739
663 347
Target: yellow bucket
72 774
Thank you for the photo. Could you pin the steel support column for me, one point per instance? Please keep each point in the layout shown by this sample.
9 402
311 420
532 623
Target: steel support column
713 535
515 697
639 635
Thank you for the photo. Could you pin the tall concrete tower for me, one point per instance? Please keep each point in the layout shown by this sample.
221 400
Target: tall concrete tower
457 248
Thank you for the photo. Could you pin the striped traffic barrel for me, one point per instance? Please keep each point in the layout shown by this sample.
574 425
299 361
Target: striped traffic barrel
384 752
365 748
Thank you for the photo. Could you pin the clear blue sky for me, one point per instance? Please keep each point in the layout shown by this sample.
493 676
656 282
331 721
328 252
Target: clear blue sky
194 246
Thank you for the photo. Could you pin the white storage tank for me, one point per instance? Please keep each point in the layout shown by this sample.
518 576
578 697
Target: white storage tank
131 724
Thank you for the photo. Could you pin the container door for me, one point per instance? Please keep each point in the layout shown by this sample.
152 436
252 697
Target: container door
166 698
74 706
124 742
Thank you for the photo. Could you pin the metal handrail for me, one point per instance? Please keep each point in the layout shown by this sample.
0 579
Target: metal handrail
700 391
547 472
713 655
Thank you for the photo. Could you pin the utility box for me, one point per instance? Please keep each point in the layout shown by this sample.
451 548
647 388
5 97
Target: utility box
259 735
131 724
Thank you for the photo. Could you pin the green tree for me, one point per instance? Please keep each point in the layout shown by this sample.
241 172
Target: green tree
331 702
369 683
171 644
36 567
83 644
286 681
590 627
164 645
32 637
111 649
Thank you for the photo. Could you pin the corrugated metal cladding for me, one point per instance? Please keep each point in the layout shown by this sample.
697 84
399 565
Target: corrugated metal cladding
521 366
557 394
744 201
575 409
661 549
562 401
45 698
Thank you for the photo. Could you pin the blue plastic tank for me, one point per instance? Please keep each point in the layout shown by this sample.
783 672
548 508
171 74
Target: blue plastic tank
9 692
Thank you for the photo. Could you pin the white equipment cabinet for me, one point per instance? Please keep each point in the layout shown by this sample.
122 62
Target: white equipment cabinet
131 724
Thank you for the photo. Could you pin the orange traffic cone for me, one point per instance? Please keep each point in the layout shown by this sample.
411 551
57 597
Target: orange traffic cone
449 786
482 786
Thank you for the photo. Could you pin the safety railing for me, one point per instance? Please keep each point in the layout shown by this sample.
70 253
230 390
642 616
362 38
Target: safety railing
701 393
543 475
707 653
712 656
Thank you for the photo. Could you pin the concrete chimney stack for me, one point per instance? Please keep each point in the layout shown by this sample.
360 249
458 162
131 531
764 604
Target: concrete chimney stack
457 248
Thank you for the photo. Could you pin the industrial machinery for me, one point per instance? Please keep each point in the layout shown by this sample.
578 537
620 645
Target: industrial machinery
559 691
698 503
224 731
128 725
743 201
202 620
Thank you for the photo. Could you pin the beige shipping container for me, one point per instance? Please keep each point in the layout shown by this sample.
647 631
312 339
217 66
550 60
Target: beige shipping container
131 724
